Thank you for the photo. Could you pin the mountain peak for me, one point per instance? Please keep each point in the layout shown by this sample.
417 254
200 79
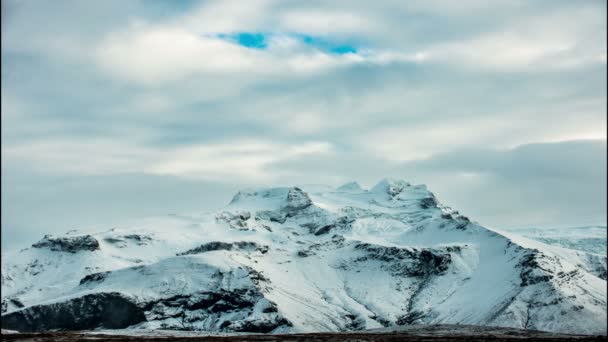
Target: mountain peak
271 198
392 186
350 187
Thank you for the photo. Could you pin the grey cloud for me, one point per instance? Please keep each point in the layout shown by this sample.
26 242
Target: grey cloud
562 183
34 204
467 120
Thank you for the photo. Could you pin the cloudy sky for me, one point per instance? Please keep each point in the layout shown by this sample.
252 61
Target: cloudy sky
113 110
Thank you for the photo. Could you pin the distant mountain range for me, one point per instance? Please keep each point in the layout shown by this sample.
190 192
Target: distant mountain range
590 239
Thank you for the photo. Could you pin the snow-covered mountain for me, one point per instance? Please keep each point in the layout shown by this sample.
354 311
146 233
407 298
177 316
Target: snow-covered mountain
591 239
288 260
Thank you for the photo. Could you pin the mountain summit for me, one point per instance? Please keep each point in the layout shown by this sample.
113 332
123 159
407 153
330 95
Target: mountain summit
290 260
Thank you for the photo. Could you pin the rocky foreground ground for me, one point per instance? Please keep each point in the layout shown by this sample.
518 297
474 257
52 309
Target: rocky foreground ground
410 333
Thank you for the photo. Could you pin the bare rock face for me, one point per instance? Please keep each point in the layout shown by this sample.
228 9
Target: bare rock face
122 241
247 246
11 303
235 220
411 262
99 310
297 200
68 244
220 310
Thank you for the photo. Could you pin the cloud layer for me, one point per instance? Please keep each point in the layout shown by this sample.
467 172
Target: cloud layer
504 103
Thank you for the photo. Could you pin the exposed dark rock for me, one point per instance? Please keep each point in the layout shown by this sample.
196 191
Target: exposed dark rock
121 241
392 188
428 202
256 276
114 240
304 253
227 246
94 277
456 220
455 248
408 261
271 308
213 305
260 326
531 271
297 200
11 301
342 222
410 318
271 216
230 304
68 244
139 239
462 225
325 229
235 220
107 310
211 301
16 302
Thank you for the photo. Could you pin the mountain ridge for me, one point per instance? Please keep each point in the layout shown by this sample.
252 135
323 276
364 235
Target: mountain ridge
286 260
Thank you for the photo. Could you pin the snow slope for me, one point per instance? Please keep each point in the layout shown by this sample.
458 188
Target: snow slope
287 260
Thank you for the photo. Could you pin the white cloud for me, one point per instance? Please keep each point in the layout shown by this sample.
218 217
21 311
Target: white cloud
141 54
324 22
558 40
149 54
228 16
411 142
110 87
239 161
420 139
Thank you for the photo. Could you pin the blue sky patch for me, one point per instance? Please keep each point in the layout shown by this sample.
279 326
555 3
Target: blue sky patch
326 45
343 49
252 40
258 40
249 40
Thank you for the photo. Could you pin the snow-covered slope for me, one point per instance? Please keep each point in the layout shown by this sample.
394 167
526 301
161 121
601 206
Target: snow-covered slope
287 260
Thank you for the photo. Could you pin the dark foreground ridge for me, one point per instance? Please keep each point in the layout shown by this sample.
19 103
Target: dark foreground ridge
407 333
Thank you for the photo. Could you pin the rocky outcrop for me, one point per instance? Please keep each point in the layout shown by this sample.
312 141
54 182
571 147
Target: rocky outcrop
411 262
531 270
68 244
227 246
122 241
296 200
235 220
11 304
242 310
341 223
99 310
94 278
262 326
